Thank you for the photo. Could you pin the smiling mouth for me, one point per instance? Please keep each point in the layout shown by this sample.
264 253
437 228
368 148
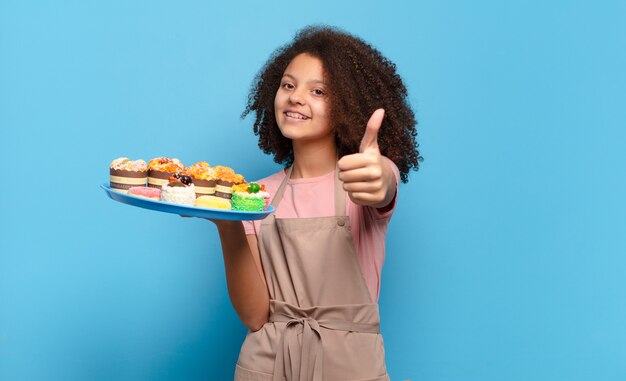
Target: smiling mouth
296 115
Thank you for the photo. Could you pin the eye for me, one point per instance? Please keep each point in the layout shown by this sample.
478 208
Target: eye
287 86
319 92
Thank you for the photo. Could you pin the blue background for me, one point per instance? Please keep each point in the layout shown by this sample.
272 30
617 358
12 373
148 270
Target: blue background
506 255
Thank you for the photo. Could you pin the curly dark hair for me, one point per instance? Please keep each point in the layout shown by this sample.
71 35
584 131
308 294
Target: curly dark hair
360 79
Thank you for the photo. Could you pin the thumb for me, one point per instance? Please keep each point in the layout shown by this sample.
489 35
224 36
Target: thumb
370 138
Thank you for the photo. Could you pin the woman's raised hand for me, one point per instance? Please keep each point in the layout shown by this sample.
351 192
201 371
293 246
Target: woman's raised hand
365 175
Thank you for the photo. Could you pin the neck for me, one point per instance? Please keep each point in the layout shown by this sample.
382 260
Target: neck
313 159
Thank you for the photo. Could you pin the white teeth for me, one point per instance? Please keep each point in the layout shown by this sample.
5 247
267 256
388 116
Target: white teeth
295 115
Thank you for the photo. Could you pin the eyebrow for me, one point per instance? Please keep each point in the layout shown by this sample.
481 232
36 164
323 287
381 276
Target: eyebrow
311 81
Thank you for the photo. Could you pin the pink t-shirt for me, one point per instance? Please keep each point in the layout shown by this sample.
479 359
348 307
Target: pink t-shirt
314 197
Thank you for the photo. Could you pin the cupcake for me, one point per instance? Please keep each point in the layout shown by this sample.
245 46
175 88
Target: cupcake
225 178
126 173
161 169
249 197
202 175
179 190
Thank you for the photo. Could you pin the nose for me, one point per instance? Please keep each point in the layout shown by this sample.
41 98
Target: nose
296 97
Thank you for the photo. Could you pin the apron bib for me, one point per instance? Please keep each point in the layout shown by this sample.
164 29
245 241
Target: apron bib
323 324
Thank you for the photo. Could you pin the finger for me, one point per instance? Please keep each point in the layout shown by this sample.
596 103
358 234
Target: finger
365 198
363 186
356 160
360 174
370 138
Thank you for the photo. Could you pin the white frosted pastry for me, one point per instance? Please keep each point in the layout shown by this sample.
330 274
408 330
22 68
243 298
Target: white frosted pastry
177 194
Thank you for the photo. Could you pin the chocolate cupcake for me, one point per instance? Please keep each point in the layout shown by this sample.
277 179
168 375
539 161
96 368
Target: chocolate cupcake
126 173
160 169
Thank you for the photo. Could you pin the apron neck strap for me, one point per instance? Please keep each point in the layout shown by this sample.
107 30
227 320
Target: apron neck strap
340 194
281 189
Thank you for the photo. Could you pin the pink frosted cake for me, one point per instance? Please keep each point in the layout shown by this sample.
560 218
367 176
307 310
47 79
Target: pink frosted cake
146 192
126 173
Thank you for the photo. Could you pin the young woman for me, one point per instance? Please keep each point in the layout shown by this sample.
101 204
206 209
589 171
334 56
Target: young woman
306 280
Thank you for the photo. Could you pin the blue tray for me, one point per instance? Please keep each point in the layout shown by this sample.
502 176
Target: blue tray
184 210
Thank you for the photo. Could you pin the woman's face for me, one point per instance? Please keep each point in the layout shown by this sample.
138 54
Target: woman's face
301 103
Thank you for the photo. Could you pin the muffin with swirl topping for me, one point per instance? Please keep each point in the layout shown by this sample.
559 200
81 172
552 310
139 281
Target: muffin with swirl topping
225 178
202 175
160 169
126 173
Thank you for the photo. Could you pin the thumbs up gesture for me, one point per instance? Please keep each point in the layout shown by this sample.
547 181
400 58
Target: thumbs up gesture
365 175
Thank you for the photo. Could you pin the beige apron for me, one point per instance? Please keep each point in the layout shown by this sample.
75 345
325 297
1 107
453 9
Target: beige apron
323 324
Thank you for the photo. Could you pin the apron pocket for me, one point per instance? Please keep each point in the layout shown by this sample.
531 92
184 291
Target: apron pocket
243 374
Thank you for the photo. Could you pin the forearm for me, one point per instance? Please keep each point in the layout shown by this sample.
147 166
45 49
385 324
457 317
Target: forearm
246 286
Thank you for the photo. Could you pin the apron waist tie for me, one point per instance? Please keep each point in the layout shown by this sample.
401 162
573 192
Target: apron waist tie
303 361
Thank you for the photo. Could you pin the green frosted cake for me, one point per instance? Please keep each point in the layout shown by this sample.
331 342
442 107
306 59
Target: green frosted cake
249 197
